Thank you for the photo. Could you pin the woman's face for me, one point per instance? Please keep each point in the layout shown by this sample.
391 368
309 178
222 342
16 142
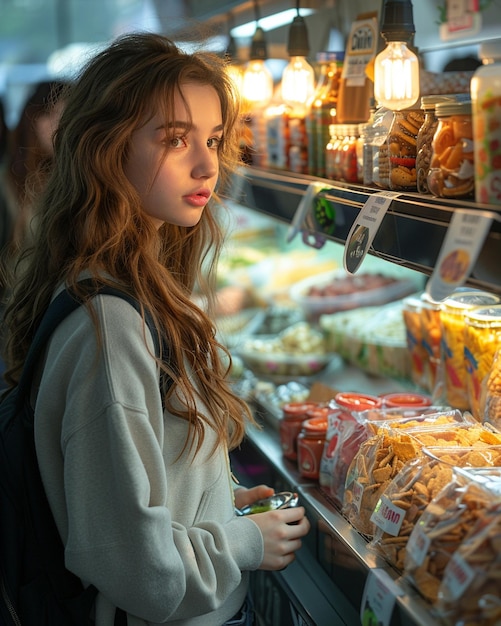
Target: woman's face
46 125
175 169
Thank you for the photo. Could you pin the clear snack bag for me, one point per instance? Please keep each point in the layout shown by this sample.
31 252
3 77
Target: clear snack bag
446 522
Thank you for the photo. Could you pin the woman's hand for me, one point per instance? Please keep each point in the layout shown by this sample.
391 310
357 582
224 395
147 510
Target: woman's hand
282 531
244 496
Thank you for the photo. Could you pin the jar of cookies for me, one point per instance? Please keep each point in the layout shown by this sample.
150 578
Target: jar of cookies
451 173
402 147
482 339
452 321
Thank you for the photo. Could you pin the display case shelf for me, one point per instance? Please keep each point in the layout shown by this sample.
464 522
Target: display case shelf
411 232
337 557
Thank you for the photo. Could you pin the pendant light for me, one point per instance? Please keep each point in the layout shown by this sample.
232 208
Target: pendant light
257 85
298 78
396 68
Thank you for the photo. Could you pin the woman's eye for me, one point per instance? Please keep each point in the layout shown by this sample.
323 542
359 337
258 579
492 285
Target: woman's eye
176 142
214 142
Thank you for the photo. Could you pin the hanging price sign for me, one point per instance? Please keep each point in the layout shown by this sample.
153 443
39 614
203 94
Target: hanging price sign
364 229
463 242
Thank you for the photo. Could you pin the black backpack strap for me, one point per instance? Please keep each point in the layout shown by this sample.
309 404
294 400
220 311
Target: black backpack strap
62 305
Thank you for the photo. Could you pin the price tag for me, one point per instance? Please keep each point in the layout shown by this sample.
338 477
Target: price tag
364 229
378 600
462 244
315 217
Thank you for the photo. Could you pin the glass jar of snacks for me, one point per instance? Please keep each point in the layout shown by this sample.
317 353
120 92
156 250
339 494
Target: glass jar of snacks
402 148
451 173
482 338
311 442
425 138
293 416
452 321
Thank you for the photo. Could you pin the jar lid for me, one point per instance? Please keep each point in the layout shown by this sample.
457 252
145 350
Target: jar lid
405 399
315 424
298 408
444 109
357 401
484 314
469 299
429 102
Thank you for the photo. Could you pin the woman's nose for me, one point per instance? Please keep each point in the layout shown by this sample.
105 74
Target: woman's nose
206 164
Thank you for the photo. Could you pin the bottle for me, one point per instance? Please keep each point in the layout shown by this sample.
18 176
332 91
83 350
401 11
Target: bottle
336 136
357 87
322 59
348 150
298 144
324 109
486 107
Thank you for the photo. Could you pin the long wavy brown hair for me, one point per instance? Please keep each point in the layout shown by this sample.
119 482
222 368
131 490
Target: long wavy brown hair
90 219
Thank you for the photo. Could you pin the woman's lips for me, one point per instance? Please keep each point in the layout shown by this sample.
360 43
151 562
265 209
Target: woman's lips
198 199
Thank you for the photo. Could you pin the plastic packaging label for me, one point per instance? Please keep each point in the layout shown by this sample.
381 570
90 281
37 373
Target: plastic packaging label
388 516
458 576
418 544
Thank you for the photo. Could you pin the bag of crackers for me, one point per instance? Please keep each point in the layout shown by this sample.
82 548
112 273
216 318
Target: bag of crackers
381 457
445 523
365 424
409 493
469 591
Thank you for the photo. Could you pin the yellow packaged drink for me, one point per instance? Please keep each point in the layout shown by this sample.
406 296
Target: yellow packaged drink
482 339
452 323
431 338
411 312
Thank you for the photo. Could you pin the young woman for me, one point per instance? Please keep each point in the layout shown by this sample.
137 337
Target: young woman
138 480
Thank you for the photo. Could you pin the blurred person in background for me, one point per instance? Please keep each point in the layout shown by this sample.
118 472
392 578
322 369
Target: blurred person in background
30 152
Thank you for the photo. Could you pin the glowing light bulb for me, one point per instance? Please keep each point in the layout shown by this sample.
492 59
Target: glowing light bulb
298 84
396 76
257 84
